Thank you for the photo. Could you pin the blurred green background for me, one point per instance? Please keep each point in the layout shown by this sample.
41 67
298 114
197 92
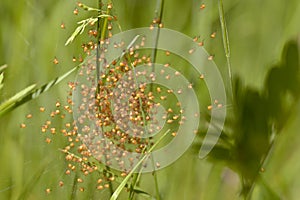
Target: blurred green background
31 37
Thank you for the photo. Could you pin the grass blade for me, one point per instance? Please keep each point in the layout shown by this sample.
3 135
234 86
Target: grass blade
74 187
1 79
2 75
83 23
2 68
226 45
34 181
139 191
16 100
124 182
30 93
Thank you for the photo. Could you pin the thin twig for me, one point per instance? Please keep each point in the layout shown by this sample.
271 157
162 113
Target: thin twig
226 46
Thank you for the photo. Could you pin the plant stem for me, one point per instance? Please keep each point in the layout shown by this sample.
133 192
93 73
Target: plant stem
263 163
158 16
248 186
101 29
159 9
122 185
98 42
226 47
74 187
136 177
155 180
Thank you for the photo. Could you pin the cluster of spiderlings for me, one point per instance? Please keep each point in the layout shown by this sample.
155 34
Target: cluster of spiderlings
77 155
119 107
96 106
88 47
156 22
134 111
114 118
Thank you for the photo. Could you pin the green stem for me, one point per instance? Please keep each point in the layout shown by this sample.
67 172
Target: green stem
226 46
158 15
155 180
98 43
263 163
74 187
101 34
140 99
126 179
101 28
136 176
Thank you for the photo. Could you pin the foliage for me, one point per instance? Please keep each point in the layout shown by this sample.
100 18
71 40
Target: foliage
258 120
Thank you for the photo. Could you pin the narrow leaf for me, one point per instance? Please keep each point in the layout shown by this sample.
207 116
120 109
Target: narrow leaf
143 193
226 47
80 29
2 68
34 181
74 34
1 79
124 182
30 93
15 100
88 8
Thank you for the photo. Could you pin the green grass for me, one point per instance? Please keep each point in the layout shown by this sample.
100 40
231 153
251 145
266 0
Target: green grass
31 37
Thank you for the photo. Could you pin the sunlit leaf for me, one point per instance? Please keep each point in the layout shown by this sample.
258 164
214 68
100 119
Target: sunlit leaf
2 68
30 93
2 75
1 79
16 100
83 23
